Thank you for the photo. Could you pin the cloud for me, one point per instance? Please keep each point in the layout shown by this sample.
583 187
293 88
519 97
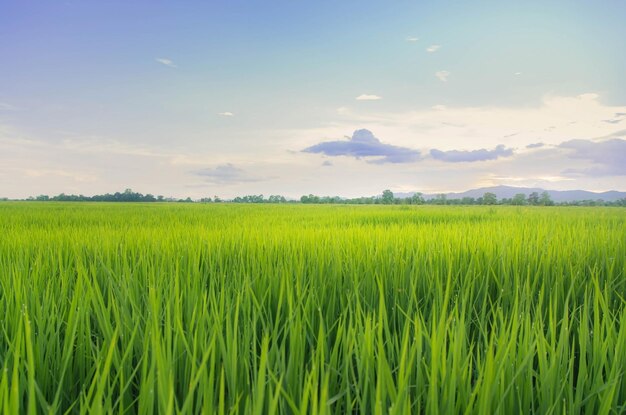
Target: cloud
150 161
517 73
100 145
412 39
535 145
608 157
364 144
327 163
618 117
439 107
225 174
621 133
59 172
433 48
367 97
7 107
166 62
442 75
226 114
460 156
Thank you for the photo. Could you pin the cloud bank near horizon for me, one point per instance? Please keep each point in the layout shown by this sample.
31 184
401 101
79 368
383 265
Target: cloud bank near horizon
561 143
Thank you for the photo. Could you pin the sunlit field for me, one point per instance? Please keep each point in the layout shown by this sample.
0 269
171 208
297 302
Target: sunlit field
218 308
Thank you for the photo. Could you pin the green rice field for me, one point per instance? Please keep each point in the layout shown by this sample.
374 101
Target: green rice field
295 309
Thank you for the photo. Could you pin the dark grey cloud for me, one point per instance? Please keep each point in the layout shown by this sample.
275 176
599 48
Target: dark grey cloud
225 174
363 144
535 145
608 157
460 156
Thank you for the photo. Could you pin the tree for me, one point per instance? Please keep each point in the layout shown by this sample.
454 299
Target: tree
490 198
416 199
309 199
533 198
519 199
277 199
387 198
545 199
440 199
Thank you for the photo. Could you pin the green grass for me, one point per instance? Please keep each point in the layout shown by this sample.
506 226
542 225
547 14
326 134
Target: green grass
168 308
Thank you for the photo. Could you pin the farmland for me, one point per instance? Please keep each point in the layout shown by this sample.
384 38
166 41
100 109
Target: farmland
176 308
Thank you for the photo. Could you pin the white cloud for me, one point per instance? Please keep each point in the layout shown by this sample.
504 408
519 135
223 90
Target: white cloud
439 107
517 73
412 39
368 97
442 75
226 114
167 62
433 48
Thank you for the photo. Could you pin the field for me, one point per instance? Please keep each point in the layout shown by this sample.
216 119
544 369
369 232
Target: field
189 308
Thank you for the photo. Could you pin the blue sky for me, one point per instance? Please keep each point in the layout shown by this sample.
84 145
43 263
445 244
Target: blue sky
229 98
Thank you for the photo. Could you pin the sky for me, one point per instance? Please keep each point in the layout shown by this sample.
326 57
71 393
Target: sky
228 98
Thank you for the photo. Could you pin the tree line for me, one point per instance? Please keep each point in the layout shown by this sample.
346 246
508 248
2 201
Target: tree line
386 198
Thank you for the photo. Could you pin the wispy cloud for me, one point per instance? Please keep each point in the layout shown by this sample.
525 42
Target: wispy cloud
226 174
368 97
226 114
535 145
433 48
517 73
364 144
412 39
166 62
608 157
59 172
617 118
439 107
460 156
442 75
7 107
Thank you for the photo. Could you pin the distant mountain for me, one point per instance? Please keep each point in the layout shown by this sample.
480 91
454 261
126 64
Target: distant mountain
507 192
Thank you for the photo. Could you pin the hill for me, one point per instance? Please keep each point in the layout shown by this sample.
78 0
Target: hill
506 192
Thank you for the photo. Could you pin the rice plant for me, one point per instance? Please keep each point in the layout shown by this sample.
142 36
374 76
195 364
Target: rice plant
176 308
